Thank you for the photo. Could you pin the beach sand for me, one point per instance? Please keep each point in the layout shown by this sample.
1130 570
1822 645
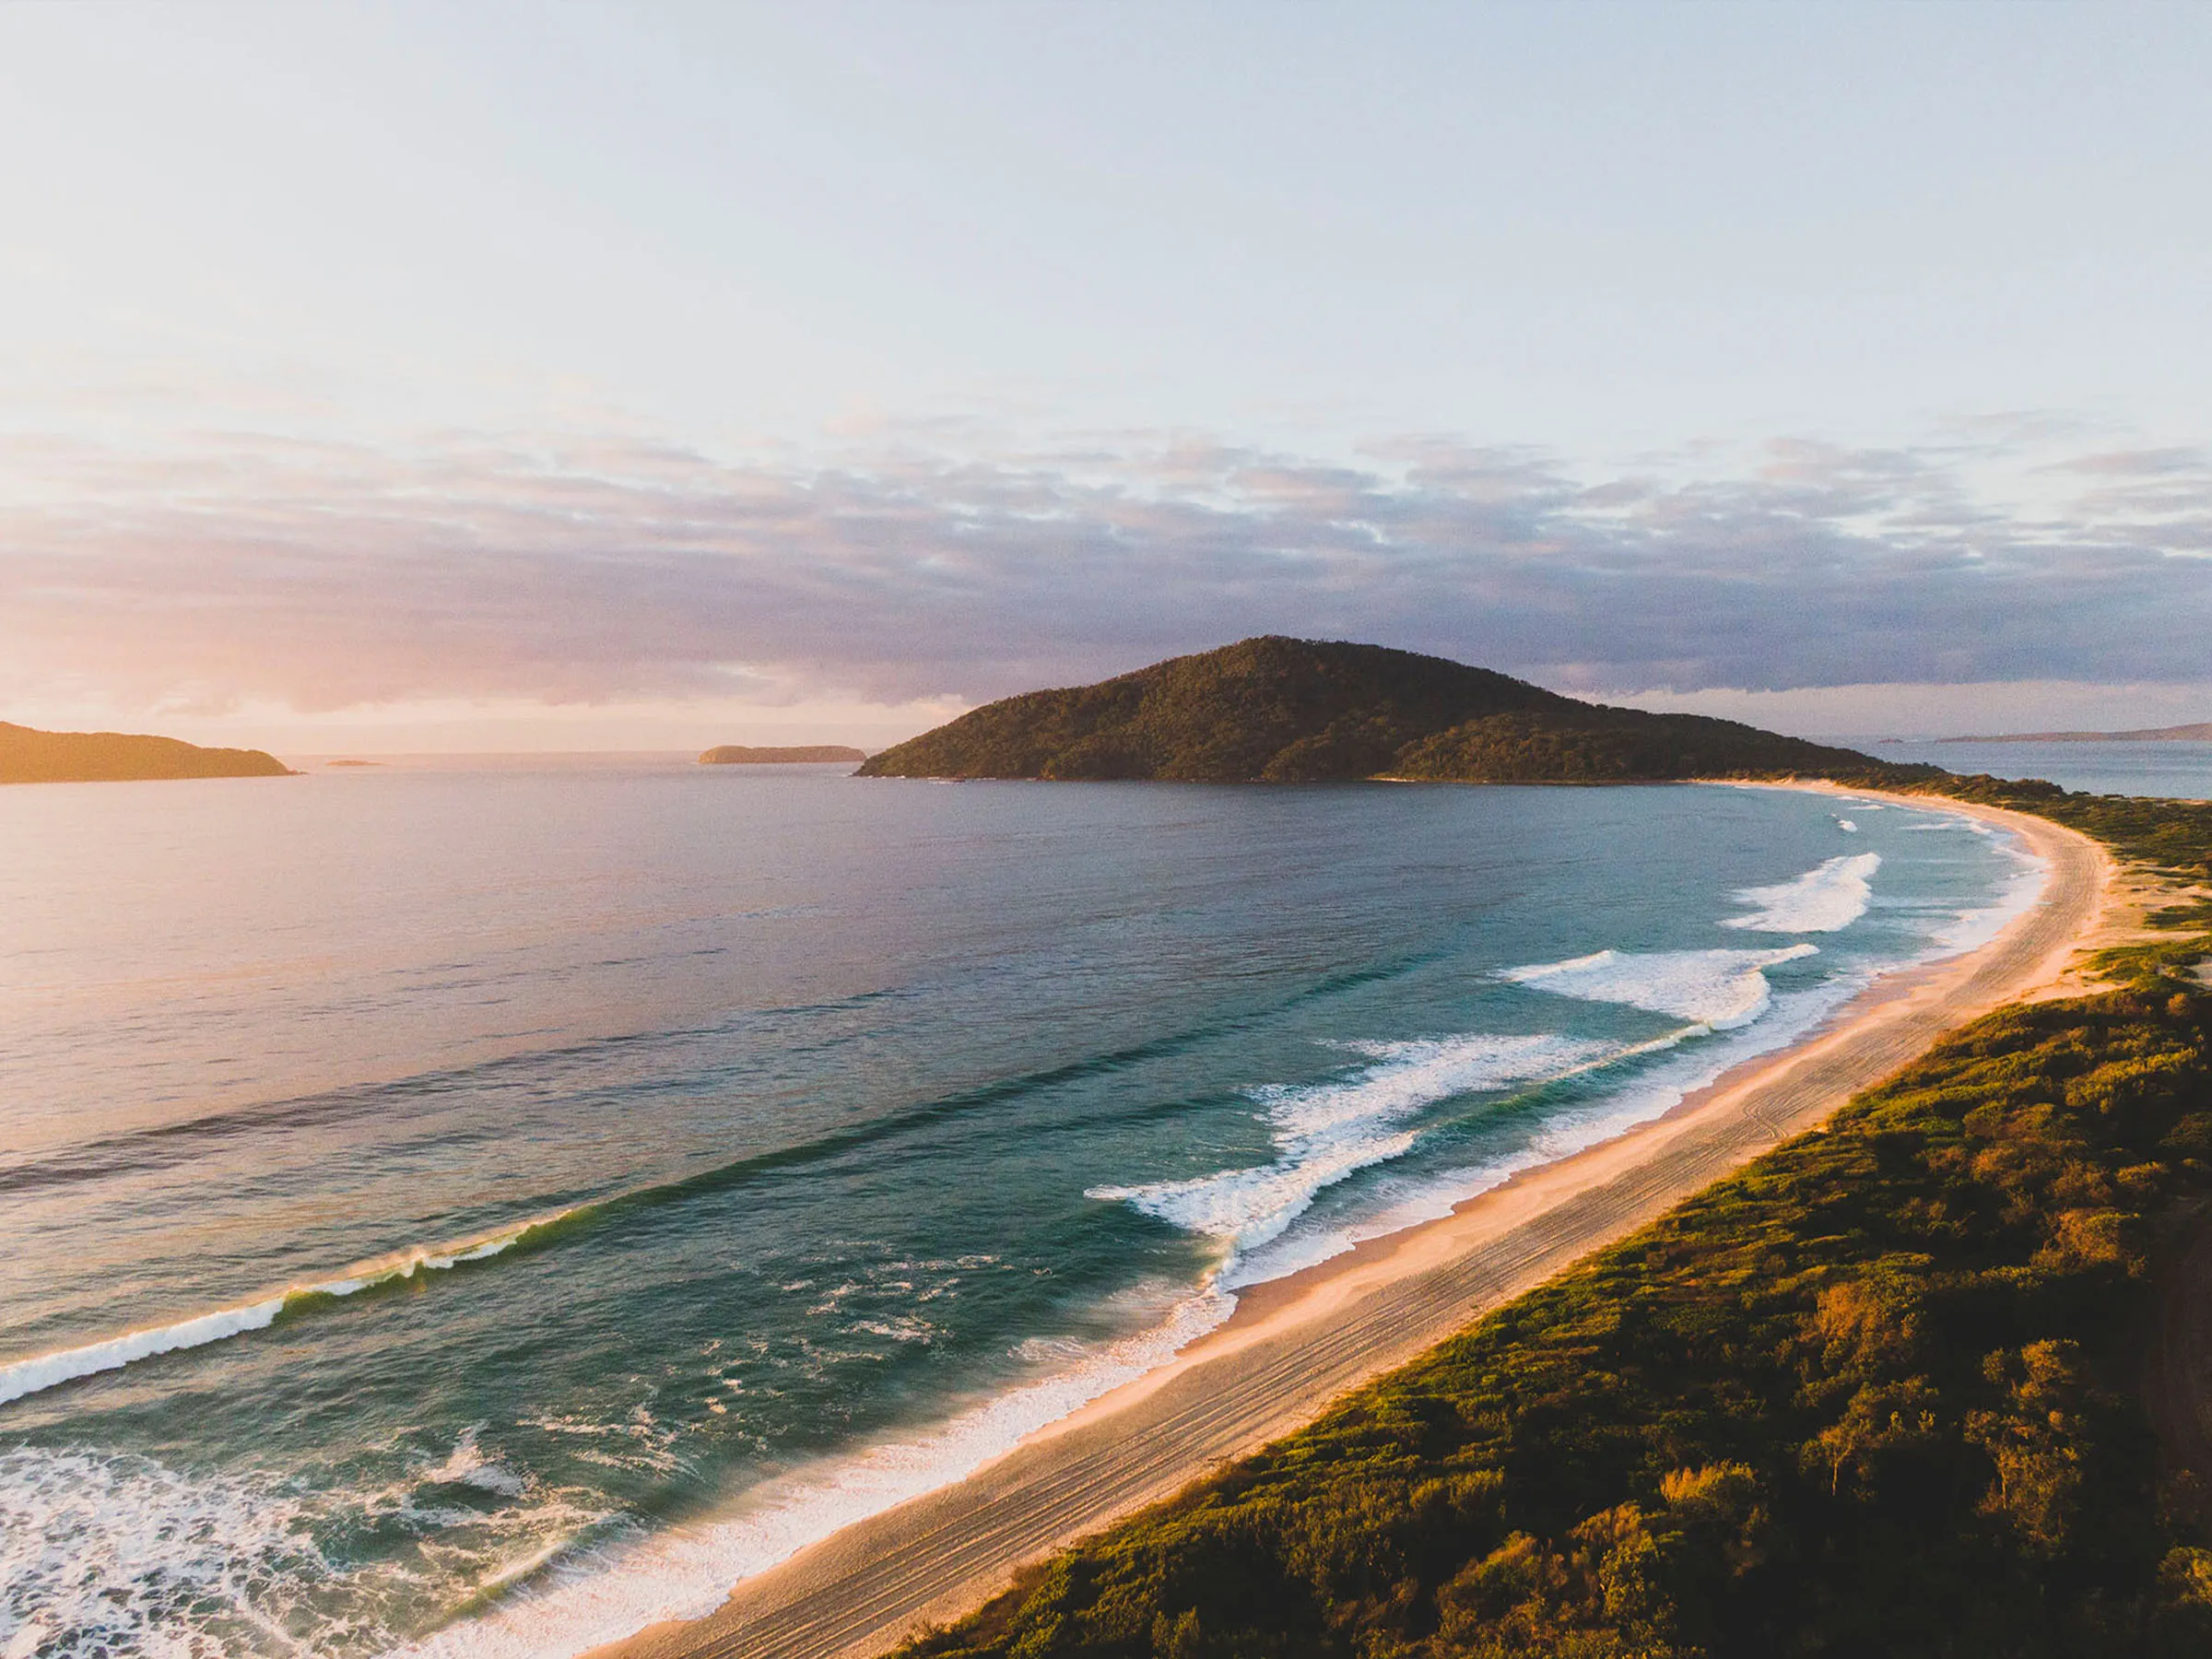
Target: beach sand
1295 1344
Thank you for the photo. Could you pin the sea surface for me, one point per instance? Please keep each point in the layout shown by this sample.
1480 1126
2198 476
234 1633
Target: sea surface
2177 771
480 1209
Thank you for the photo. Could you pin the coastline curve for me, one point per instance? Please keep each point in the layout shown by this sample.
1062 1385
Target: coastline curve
1295 1344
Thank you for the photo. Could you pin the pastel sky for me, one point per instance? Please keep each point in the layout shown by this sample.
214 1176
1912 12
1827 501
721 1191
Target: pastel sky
477 375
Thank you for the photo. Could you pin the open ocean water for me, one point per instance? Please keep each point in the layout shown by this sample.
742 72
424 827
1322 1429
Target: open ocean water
481 1211
2177 771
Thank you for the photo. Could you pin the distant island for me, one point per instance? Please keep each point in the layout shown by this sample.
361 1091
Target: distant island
2199 733
353 762
34 757
1280 711
738 754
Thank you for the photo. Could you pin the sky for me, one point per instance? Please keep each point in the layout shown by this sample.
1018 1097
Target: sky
562 376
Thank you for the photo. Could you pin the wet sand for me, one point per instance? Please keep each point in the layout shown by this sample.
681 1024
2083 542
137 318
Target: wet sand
1297 1343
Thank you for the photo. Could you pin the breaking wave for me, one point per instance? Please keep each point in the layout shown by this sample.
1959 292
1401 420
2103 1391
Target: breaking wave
42 1372
1327 1131
1717 989
107 1553
1826 900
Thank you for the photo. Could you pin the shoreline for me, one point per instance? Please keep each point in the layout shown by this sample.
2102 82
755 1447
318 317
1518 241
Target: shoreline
1294 1344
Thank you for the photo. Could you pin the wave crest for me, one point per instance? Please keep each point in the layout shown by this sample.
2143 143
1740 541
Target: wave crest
1327 1131
51 1370
1826 900
1718 989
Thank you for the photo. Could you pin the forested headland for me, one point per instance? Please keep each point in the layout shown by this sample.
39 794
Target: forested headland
1885 1391
1279 711
33 757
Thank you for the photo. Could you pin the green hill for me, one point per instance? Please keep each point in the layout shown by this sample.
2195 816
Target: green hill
1280 711
32 757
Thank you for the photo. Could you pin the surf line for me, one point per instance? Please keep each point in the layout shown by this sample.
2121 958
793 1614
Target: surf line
42 1372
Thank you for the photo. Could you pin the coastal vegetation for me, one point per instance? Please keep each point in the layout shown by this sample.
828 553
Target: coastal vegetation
35 757
1279 710
738 754
2170 841
1880 1391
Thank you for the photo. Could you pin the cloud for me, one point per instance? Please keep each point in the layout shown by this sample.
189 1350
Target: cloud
205 573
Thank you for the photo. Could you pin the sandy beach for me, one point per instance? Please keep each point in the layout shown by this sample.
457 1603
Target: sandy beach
1295 1344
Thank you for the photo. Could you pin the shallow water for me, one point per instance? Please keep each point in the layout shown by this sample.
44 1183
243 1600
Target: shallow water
422 1191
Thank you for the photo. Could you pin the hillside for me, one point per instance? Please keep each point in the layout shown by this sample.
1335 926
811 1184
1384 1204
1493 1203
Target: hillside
1279 710
738 754
33 757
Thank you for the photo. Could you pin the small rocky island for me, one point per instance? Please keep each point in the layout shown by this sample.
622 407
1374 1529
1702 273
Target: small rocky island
738 754
1279 711
27 756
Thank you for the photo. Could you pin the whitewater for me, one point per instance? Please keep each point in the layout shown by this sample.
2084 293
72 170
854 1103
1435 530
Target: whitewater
549 1196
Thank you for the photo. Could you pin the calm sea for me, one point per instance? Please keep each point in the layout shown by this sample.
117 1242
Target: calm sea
485 1209
2181 771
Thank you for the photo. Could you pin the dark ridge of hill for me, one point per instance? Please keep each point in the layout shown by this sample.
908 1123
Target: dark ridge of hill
2199 733
1281 710
33 757
738 754
1596 743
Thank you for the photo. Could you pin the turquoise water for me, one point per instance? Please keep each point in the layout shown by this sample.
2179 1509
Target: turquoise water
485 1210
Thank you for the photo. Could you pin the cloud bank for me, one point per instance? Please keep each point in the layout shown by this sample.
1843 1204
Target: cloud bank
325 575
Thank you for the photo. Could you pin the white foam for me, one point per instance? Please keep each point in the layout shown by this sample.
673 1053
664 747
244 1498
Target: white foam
2019 892
1719 989
117 1554
1845 825
42 1372
1324 1131
105 1553
688 1572
1568 1130
48 1371
1825 899
467 1465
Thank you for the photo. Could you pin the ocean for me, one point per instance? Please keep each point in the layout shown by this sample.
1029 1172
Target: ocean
481 1209
2177 771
